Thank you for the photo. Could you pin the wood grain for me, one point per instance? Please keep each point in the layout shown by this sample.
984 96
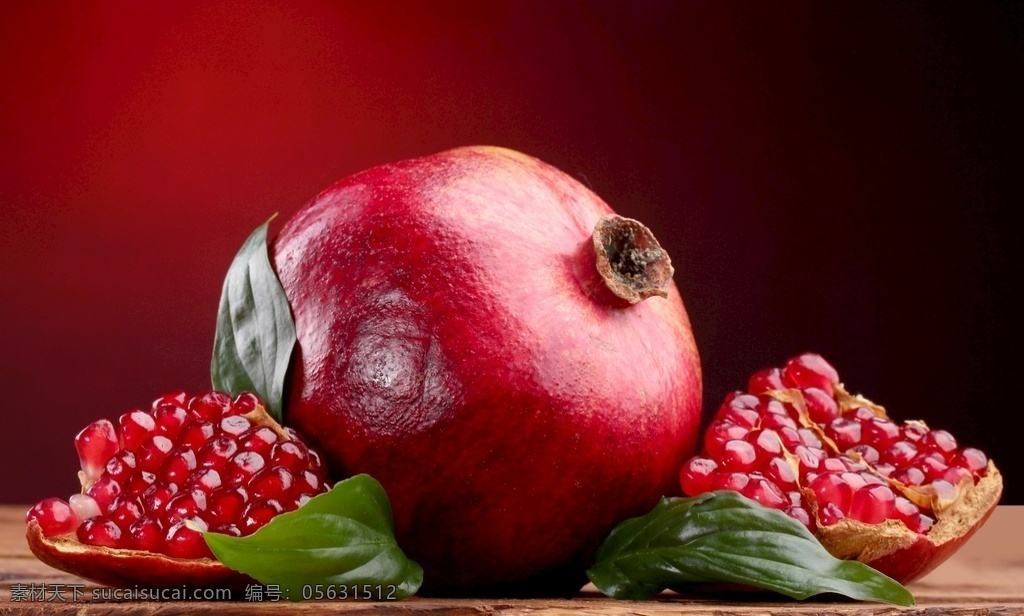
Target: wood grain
985 577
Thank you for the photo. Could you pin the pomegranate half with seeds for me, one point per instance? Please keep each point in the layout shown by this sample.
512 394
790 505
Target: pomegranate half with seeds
206 462
899 497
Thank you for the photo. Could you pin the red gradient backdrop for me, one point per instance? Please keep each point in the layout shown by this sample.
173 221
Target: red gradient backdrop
830 177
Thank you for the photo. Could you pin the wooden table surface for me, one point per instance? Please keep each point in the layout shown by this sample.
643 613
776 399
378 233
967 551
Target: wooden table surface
985 577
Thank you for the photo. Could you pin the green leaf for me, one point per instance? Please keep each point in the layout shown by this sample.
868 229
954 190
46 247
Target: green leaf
725 537
344 537
255 331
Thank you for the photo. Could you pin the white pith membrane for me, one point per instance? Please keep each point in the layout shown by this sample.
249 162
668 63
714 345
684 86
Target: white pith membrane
123 566
956 514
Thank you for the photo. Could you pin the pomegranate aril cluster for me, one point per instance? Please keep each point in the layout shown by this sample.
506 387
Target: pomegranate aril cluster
852 461
186 463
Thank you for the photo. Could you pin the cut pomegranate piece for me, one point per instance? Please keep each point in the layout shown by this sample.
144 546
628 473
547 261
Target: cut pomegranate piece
900 497
185 464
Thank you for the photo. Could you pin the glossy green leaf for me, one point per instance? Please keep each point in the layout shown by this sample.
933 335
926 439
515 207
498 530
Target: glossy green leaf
342 538
725 537
255 331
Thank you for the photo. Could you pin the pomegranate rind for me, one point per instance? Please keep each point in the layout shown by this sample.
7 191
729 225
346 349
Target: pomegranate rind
125 568
904 555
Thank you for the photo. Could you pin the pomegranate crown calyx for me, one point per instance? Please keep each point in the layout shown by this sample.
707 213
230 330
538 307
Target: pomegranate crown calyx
622 263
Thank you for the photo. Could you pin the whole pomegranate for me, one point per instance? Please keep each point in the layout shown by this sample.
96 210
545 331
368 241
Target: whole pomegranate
510 359
207 461
900 497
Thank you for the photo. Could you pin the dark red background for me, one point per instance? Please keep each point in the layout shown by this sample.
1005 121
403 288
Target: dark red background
828 176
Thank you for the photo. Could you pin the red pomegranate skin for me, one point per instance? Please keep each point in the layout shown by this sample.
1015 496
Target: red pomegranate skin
448 349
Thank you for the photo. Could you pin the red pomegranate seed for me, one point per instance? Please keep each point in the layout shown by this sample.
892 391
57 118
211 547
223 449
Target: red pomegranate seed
170 419
810 370
259 439
139 481
904 509
185 505
874 479
776 421
933 465
767 445
157 495
178 466
738 456
721 432
307 483
96 444
972 459
940 442
821 408
216 453
780 473
769 379
845 432
810 458
100 531
724 480
872 504
739 415
809 437
244 403
884 469
271 483
125 509
880 432
790 438
835 465
316 464
695 476
291 455
136 427
944 490
899 453
765 492
55 517
205 479
210 406
257 514
957 475
910 475
183 542
242 467
830 488
174 398
195 434
856 481
121 465
741 400
227 505
146 533
104 491
153 452
770 406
